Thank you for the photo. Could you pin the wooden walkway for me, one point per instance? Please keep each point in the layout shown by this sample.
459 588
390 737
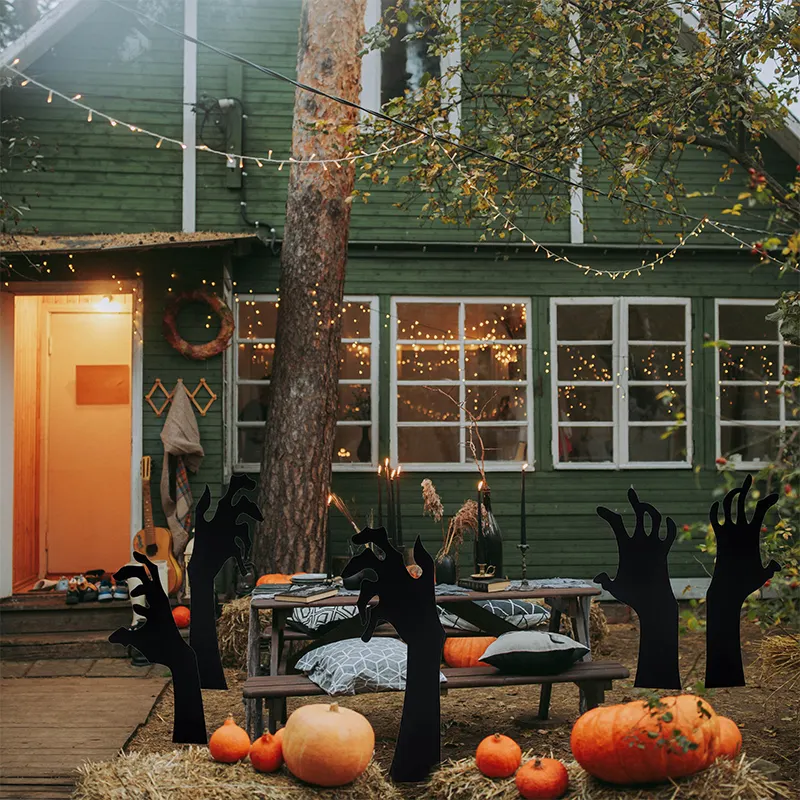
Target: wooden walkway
49 726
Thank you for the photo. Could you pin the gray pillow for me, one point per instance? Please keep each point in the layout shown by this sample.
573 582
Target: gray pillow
315 620
352 666
533 653
519 613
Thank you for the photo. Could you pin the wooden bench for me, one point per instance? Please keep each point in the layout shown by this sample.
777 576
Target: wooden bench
593 678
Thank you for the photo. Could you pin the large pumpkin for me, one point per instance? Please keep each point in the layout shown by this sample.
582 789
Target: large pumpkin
729 744
274 577
637 743
465 651
327 745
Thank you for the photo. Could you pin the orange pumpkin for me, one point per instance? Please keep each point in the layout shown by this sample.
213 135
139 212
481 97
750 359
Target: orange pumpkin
498 756
542 779
274 577
266 754
465 651
729 743
229 742
327 745
636 743
182 616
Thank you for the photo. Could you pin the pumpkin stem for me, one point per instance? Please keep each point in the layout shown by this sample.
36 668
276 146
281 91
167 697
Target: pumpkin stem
230 720
497 737
334 707
537 762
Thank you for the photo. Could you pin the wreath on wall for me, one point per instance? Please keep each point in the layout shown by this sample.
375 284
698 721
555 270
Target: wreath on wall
198 352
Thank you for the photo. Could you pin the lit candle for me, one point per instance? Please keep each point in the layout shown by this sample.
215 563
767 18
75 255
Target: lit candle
399 512
389 504
523 533
328 540
479 540
380 498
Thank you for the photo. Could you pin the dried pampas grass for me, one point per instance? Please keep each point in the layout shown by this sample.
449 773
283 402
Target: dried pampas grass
431 502
232 631
191 774
723 780
780 659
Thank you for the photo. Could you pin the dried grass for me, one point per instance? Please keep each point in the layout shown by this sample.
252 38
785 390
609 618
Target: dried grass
232 631
191 774
431 502
779 656
724 780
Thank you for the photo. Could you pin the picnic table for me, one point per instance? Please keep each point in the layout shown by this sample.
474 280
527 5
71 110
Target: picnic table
563 596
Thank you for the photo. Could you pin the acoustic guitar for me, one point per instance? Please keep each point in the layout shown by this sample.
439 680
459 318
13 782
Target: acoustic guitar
156 543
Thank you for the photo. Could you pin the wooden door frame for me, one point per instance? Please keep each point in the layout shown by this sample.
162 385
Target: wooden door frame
134 288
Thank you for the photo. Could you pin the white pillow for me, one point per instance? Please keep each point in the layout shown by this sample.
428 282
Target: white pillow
533 653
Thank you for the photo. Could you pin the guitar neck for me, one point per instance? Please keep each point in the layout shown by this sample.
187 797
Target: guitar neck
147 503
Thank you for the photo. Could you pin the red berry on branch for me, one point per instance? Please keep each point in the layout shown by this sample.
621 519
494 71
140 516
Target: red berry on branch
722 460
686 528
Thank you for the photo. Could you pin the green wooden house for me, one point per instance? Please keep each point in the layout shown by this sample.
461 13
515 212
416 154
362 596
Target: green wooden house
581 378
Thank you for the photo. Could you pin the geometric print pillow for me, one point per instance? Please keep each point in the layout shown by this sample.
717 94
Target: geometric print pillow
320 619
519 613
352 666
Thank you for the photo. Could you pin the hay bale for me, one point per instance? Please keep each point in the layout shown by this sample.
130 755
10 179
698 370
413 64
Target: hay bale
232 631
779 657
598 625
723 780
191 774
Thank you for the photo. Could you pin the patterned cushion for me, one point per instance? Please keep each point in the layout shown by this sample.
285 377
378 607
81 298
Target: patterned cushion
352 666
318 620
519 613
533 653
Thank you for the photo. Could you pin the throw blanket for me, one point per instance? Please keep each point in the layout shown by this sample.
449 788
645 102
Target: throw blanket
181 439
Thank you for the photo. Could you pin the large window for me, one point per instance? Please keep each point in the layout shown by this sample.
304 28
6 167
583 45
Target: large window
357 427
751 413
621 382
458 362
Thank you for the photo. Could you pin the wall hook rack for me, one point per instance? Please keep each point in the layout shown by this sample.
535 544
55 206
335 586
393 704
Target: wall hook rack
158 386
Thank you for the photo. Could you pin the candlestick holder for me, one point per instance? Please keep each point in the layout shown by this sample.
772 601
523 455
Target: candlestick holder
523 549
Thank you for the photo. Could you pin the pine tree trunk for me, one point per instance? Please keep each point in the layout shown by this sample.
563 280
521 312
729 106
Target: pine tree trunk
301 417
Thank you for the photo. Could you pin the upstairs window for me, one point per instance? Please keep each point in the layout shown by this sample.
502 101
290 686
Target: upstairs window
621 382
751 414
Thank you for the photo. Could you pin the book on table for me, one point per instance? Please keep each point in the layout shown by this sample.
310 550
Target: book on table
484 584
306 594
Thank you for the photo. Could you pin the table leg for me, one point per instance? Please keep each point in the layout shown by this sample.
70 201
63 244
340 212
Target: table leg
253 707
579 614
277 707
547 688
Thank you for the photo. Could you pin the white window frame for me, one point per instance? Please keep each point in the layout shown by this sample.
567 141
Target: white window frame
467 465
373 382
781 422
371 65
620 382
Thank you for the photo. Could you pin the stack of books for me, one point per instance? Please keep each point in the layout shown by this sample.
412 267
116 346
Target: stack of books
493 584
307 594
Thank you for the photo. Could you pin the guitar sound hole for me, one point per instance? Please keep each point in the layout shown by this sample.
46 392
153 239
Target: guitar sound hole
151 550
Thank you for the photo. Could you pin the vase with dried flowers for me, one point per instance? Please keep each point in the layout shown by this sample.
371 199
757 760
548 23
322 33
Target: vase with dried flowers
444 562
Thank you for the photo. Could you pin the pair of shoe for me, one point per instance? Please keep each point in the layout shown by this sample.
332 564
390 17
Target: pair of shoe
107 592
80 590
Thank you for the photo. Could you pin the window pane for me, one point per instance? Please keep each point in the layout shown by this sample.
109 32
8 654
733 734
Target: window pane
749 362
354 402
495 362
749 402
749 443
657 444
252 402
585 403
428 445
503 444
354 360
419 404
356 318
494 321
585 362
251 445
497 403
427 321
427 362
585 444
580 322
656 363
747 323
655 403
255 361
352 445
665 323
257 319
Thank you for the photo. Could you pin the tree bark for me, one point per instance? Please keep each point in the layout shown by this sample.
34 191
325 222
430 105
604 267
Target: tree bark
303 399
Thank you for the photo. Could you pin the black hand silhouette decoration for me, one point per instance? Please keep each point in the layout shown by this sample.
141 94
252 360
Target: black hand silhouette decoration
642 582
409 604
159 640
215 542
738 572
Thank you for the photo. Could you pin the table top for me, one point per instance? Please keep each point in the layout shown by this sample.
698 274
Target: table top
264 601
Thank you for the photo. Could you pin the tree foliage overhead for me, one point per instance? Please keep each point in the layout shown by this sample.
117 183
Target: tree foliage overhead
632 84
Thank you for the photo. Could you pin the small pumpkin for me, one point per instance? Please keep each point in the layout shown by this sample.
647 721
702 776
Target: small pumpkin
729 743
229 742
542 779
636 743
498 756
274 577
326 744
266 754
182 616
465 651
